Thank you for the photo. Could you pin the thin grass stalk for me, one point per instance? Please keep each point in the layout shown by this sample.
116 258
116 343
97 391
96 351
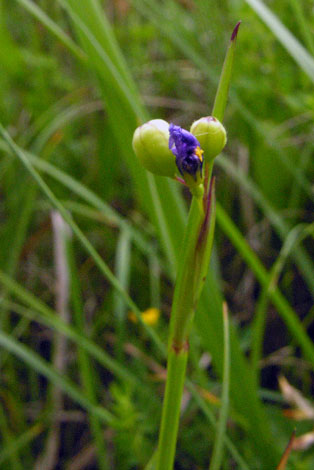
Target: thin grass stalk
287 313
284 459
49 457
122 271
154 280
217 456
43 315
296 236
211 418
17 332
52 26
86 372
14 458
17 236
36 362
304 162
15 445
289 42
282 227
304 25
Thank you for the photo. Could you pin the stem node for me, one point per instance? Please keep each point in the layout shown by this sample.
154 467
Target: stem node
180 347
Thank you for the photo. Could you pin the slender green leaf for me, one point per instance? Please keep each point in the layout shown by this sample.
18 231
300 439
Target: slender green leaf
86 372
225 78
40 312
43 367
289 42
21 441
295 236
85 243
282 227
292 321
41 16
216 459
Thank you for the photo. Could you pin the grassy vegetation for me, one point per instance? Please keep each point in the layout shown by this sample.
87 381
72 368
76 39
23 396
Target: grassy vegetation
82 383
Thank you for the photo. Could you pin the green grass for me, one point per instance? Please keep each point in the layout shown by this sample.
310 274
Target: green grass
76 79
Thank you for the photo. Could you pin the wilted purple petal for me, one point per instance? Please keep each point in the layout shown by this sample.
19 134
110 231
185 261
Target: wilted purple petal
187 151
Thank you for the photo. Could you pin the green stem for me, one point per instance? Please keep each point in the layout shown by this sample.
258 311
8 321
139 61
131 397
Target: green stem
183 300
192 269
181 317
176 368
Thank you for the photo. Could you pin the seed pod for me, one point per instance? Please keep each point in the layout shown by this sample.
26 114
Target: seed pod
151 146
211 135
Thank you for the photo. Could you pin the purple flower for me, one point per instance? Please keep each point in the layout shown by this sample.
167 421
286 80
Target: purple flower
187 150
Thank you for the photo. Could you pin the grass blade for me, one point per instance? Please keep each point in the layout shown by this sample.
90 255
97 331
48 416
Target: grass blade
287 313
37 363
122 270
300 256
289 42
295 236
43 314
21 441
79 234
303 25
41 16
86 372
216 459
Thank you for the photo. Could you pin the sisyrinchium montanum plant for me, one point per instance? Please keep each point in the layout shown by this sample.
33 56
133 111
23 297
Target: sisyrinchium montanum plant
188 157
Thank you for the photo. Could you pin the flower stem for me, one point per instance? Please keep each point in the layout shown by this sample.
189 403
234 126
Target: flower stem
171 408
194 259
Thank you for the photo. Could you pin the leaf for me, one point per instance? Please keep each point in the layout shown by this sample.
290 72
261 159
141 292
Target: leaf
289 42
225 78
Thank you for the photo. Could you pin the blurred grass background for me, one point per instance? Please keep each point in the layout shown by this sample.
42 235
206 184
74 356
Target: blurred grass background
81 384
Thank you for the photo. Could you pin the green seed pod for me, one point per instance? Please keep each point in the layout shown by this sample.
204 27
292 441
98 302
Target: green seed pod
151 146
211 135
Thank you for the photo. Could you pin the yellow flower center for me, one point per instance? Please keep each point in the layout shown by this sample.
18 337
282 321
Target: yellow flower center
199 153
